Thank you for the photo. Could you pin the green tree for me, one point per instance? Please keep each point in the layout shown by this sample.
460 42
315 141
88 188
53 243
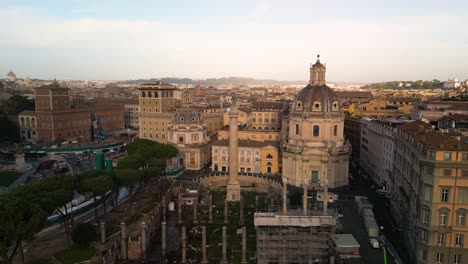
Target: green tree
96 185
130 162
52 195
20 219
17 104
127 178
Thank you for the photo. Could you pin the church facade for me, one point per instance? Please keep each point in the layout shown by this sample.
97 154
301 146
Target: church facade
314 150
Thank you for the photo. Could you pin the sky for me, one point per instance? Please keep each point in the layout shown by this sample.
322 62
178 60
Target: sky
359 40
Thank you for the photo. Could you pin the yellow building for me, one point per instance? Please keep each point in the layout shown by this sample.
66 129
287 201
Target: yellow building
157 105
250 134
254 156
242 120
430 201
376 108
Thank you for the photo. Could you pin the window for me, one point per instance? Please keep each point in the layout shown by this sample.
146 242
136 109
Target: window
424 235
443 219
315 178
447 172
297 129
441 240
440 257
269 156
335 130
459 240
465 156
464 173
316 131
461 215
424 254
447 156
428 193
457 259
444 197
427 217
463 195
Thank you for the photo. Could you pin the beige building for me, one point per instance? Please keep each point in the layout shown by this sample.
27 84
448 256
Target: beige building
253 156
28 124
188 133
430 195
131 116
157 105
314 149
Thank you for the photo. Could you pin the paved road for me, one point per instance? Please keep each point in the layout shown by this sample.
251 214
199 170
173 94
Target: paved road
382 214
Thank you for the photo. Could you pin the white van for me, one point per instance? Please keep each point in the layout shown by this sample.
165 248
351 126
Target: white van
374 243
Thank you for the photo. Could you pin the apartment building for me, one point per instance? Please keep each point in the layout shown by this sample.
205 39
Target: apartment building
376 149
430 193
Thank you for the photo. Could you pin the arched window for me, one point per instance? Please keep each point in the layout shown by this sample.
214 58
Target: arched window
335 130
316 131
143 94
443 217
298 130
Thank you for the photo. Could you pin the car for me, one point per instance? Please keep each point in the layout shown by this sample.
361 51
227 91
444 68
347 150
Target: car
340 213
374 243
382 193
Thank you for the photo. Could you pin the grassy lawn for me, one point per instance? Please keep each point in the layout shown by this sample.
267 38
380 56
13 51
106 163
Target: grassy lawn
75 254
214 231
8 177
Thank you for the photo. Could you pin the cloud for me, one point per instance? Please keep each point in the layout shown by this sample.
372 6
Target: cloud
358 49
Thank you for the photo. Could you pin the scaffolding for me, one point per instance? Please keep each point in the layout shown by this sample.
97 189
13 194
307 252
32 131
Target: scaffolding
294 238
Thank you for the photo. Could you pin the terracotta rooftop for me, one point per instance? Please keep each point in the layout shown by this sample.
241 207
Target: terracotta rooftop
355 94
267 106
434 140
54 86
456 117
246 143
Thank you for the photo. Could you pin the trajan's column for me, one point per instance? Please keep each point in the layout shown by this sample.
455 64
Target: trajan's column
233 190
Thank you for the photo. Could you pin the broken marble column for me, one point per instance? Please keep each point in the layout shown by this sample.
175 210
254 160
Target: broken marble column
285 196
184 245
123 242
210 210
304 200
103 232
195 213
179 209
143 240
256 202
163 238
164 207
226 211
244 246
204 257
241 211
224 257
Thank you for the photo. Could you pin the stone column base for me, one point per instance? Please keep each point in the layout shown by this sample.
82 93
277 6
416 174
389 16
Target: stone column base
233 192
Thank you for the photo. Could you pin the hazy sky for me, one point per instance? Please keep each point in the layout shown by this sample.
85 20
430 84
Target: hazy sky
129 39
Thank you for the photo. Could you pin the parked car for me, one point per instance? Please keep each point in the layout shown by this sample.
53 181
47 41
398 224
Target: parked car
374 243
382 193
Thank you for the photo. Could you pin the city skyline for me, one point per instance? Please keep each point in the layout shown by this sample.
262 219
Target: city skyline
121 40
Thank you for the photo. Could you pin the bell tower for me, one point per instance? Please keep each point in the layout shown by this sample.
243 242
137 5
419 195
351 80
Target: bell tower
317 73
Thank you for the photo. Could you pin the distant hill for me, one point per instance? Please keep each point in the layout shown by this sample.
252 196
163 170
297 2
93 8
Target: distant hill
235 81
395 85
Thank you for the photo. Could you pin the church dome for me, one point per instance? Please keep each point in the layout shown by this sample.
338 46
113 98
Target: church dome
316 96
187 116
11 76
